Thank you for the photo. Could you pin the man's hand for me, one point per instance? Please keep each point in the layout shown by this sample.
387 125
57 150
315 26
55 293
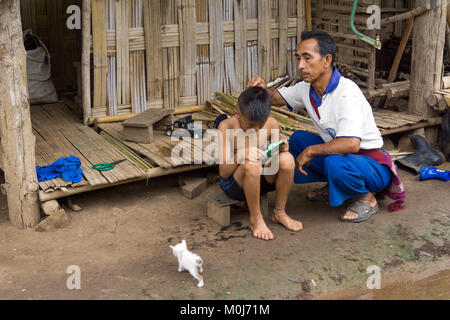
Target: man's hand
256 81
304 159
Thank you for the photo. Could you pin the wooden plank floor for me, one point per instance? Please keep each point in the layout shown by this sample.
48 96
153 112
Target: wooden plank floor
59 133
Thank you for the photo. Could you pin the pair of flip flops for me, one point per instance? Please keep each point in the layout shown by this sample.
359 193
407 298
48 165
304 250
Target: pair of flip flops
363 210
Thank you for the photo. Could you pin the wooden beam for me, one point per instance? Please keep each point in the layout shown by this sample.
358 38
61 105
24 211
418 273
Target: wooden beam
407 15
17 140
152 173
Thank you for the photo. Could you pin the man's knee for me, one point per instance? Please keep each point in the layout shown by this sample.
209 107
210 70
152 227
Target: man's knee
335 165
296 140
300 140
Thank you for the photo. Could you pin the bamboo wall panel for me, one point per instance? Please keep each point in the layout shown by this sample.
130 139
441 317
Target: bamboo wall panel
173 53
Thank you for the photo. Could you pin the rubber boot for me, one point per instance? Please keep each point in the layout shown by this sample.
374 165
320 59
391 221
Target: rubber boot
445 139
434 173
425 156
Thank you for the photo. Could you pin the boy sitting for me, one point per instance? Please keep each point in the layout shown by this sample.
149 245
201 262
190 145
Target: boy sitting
241 166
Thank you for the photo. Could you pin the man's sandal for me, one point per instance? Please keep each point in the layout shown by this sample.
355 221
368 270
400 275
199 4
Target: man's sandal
363 210
322 194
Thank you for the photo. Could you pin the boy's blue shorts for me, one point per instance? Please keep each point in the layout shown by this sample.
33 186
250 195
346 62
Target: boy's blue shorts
234 191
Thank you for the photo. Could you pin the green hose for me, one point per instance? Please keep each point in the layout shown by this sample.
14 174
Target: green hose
376 43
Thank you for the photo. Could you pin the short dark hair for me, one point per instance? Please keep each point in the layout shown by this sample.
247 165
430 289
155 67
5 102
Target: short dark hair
254 104
324 40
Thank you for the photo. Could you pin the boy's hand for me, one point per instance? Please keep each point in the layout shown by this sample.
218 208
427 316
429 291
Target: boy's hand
285 146
250 155
256 81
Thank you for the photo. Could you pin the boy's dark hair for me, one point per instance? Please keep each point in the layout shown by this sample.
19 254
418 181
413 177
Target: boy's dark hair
254 104
324 40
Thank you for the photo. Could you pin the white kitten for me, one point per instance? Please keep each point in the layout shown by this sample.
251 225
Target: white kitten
188 261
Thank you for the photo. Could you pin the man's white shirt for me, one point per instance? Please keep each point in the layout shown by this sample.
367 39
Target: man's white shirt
344 112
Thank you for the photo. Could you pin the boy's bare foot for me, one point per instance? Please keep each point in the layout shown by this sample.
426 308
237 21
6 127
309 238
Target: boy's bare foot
260 229
280 216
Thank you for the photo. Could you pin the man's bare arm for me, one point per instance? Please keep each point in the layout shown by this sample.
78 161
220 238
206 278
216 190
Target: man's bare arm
275 97
340 146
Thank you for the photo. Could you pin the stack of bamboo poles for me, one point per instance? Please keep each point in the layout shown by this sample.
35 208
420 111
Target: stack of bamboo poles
130 154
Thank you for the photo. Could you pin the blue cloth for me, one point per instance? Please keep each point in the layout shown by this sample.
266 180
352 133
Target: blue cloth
348 176
334 81
67 168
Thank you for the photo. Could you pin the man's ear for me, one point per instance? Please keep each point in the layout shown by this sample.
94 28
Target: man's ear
328 58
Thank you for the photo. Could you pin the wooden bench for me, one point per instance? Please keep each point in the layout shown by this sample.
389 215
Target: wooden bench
219 207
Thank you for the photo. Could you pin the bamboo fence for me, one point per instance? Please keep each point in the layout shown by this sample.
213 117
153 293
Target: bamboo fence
176 53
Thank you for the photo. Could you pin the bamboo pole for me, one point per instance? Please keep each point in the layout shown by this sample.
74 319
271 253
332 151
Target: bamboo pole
123 117
400 50
308 15
86 60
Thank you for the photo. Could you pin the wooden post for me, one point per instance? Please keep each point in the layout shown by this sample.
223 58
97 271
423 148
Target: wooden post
17 140
86 60
427 56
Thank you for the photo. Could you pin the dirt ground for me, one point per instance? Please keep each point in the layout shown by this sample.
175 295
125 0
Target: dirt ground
120 241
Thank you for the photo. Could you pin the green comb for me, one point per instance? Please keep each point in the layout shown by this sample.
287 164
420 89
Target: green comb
272 149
